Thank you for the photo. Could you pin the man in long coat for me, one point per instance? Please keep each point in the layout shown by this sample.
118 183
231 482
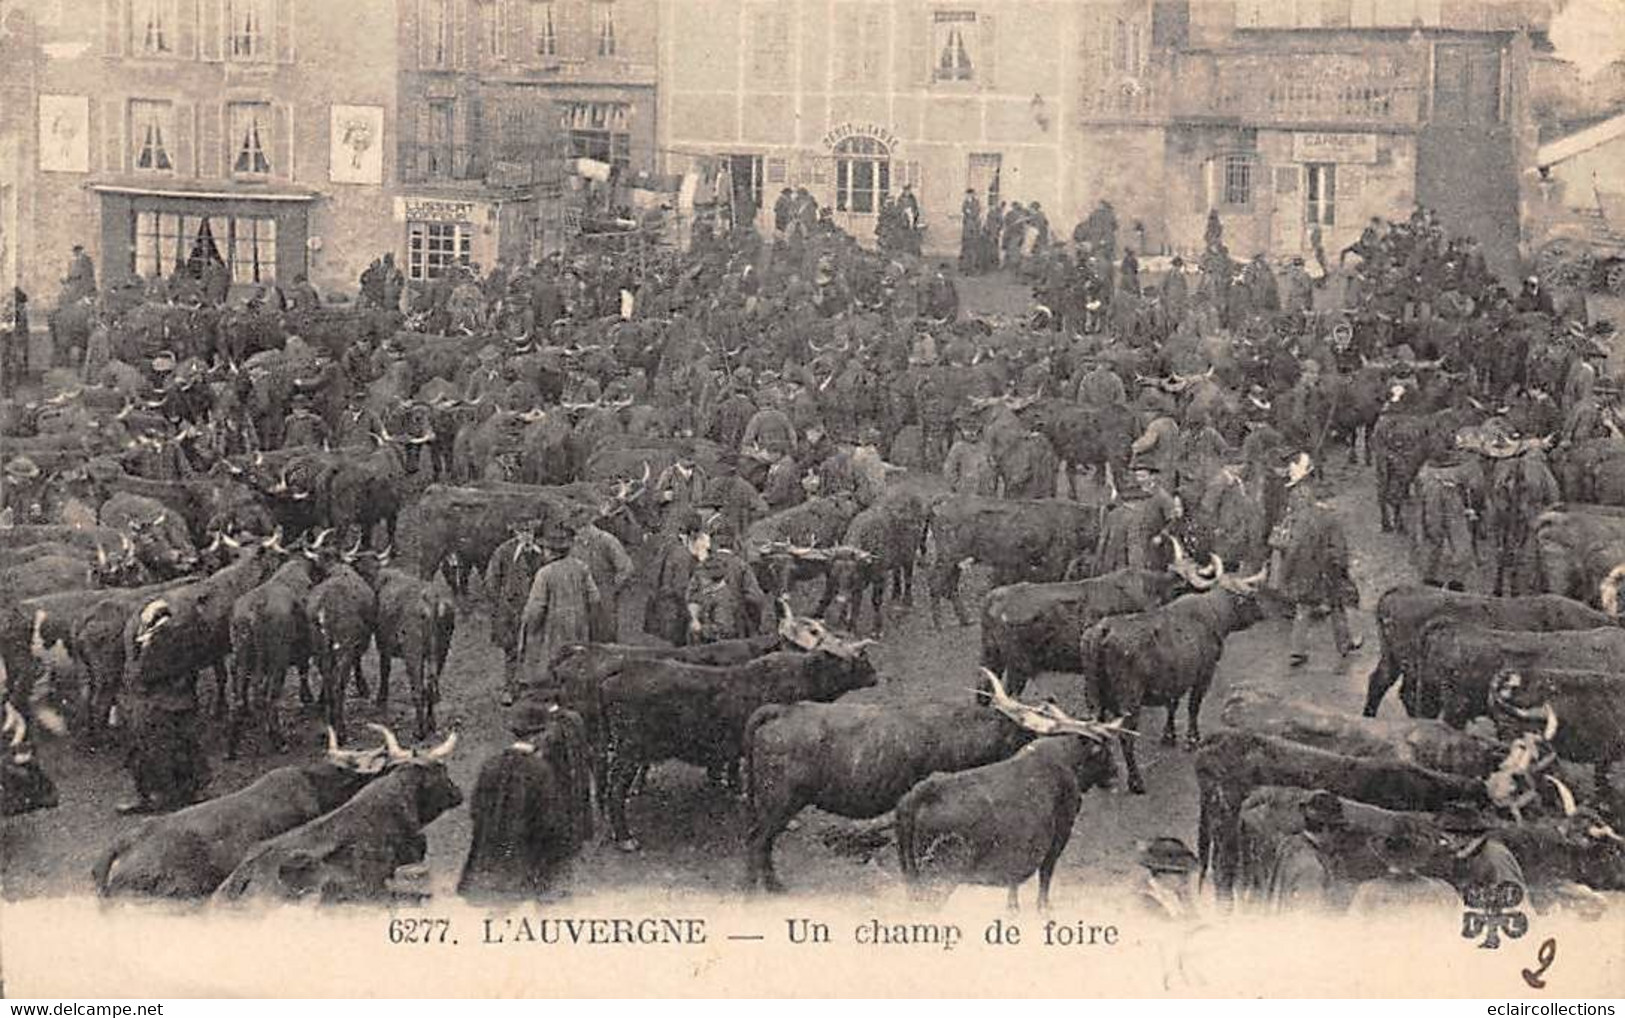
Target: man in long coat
666 614
725 600
1304 877
508 577
1312 566
611 568
1444 537
560 608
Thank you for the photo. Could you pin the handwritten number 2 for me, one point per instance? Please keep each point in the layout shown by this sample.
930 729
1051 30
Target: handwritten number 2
1546 955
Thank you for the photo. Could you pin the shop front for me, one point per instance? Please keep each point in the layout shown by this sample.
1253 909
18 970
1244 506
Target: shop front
146 232
439 232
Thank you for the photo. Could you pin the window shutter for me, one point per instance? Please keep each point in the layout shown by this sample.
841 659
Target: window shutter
211 140
1350 182
919 42
183 139
284 31
1286 180
113 27
113 155
406 137
282 141
211 29
989 40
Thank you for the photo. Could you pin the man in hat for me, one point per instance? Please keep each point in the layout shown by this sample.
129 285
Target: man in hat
1304 876
1133 534
968 467
1480 858
666 614
732 496
80 282
1312 562
1298 295
725 601
611 569
1405 852
1534 297
23 489
784 212
970 228
769 429
508 578
560 607
1164 890
1175 295
1444 536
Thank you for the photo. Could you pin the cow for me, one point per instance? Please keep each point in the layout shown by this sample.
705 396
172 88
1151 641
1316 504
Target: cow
999 823
467 524
1403 612
270 634
415 623
186 855
1425 742
579 670
1032 627
1085 436
857 761
660 709
1589 707
364 492
24 785
1581 553
1403 442
1021 540
173 635
881 543
47 574
1459 661
532 811
342 614
349 854
158 533
785 546
1232 763
1520 489
1168 653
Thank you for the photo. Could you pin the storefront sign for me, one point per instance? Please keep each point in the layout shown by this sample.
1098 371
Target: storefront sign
434 210
842 132
1334 148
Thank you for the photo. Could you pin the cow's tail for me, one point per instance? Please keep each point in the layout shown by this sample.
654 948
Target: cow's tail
1092 662
763 715
908 860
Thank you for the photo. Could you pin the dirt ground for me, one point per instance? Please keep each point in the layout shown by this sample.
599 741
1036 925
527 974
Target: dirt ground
692 834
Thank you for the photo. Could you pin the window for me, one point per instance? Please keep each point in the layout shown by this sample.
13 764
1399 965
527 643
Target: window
603 26
1238 180
746 173
246 29
982 175
251 138
1128 50
151 125
496 36
439 153
152 23
432 248
544 30
953 35
862 174
1320 194
600 131
166 243
436 33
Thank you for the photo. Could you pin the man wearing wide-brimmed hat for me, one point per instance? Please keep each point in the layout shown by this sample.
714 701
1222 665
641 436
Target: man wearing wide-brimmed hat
1304 878
22 487
1311 562
725 600
1164 890
1481 858
559 610
1406 851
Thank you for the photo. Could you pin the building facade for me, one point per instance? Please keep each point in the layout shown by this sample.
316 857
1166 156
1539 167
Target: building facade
854 99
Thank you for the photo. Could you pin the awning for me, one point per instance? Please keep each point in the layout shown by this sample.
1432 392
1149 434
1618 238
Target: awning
205 190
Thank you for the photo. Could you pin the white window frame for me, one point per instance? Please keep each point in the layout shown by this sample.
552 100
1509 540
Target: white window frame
249 30
251 139
544 28
1320 194
141 14
1234 167
943 41
868 159
605 43
433 247
152 132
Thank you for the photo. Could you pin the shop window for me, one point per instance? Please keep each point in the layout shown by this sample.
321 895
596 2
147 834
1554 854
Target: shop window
152 27
1320 194
167 243
252 243
953 36
862 174
151 126
251 139
603 26
1238 180
600 131
246 29
433 248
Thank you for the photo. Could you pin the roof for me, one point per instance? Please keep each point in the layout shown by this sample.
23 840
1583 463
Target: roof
1581 141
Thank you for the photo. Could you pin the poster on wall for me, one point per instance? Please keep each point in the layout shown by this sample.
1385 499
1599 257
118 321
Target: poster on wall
358 145
64 128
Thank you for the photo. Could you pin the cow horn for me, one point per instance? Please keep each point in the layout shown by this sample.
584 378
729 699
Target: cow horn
391 744
321 535
646 472
1564 795
443 750
14 724
353 552
1550 731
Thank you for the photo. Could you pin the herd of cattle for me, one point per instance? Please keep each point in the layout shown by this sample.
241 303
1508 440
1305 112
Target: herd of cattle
151 543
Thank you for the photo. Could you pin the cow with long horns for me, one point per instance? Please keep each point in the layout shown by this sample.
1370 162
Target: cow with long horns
999 823
24 785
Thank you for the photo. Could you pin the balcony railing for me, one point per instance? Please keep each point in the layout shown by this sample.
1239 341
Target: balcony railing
427 163
1266 89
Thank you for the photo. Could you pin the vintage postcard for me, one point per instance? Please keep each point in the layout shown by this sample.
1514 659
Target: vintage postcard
900 498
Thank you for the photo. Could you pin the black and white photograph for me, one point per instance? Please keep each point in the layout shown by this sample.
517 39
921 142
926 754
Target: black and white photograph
767 498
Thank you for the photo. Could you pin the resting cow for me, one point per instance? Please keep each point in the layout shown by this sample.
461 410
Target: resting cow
1589 707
